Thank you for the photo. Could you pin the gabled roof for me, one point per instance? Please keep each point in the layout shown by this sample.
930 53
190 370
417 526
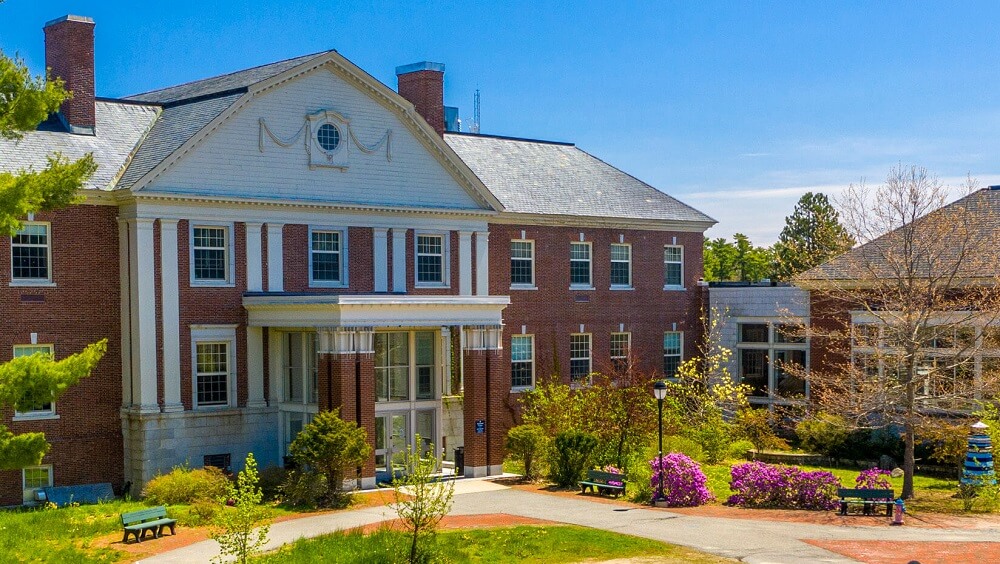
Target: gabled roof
234 81
965 227
119 127
549 178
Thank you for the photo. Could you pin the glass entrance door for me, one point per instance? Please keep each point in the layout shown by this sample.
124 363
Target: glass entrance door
392 434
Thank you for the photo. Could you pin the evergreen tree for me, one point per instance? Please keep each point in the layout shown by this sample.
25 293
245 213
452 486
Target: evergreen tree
812 235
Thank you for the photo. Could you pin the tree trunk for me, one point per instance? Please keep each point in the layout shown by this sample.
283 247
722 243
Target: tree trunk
909 428
413 545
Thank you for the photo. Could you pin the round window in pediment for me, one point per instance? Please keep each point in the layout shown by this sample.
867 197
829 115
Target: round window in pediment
328 137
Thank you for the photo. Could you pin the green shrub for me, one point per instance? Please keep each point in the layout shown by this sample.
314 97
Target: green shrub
333 447
202 512
184 485
573 453
681 444
757 426
527 443
714 436
824 434
304 489
271 480
639 472
738 449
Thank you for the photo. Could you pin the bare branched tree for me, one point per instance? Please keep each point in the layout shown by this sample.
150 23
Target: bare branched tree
905 325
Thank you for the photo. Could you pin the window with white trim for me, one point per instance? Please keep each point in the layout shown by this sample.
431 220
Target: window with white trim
522 263
46 409
522 361
210 254
579 357
673 342
621 265
31 254
212 374
326 258
673 266
579 264
34 478
431 264
620 345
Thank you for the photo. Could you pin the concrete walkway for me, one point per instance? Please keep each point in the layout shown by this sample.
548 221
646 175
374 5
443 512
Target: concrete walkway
760 541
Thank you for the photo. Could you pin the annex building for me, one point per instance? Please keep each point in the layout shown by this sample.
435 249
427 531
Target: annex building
296 237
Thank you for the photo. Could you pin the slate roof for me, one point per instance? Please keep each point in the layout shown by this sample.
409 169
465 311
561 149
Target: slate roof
967 226
177 124
540 177
119 128
234 81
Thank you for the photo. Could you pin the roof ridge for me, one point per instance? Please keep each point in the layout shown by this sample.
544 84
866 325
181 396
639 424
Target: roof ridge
511 138
231 73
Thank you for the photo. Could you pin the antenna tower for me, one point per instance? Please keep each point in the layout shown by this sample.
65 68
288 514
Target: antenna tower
474 127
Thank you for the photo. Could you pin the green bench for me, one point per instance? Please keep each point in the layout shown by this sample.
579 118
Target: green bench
154 519
869 498
603 482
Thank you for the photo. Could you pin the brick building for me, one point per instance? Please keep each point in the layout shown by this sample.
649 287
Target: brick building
294 237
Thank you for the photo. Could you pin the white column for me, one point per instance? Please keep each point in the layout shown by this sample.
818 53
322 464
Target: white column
126 315
465 263
381 244
255 269
275 258
255 367
482 263
170 296
143 295
398 260
275 358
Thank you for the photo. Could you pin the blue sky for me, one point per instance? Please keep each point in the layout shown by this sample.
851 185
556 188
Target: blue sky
734 108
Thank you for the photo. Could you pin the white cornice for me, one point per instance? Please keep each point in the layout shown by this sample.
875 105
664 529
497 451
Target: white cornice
289 310
601 222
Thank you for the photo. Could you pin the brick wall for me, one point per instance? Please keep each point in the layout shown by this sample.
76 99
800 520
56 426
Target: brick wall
82 308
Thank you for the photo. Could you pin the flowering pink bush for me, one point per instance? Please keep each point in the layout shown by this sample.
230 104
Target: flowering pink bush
784 487
683 481
873 479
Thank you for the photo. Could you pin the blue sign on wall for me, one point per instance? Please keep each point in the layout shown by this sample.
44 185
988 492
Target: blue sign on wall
480 426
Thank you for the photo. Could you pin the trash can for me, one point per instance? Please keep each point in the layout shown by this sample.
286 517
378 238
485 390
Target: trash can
460 461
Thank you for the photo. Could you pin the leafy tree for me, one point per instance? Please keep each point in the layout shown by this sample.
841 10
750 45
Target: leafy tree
738 260
331 446
421 500
621 412
242 528
528 443
719 257
753 264
34 380
812 235
573 452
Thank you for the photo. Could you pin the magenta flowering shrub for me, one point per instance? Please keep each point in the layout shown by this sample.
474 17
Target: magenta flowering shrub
873 479
683 481
782 487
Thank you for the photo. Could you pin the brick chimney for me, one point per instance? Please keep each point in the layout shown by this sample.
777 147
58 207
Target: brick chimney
423 85
69 55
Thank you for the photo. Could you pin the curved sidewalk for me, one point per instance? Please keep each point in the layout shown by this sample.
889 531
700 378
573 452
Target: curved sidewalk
752 541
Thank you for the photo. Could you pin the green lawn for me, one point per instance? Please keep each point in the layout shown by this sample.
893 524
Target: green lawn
554 544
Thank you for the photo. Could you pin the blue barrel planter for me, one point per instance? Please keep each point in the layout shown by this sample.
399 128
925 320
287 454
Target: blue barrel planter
978 468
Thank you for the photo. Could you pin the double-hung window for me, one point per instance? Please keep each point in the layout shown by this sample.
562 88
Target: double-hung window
579 265
672 352
210 254
673 266
431 265
579 357
621 265
42 409
31 254
522 264
326 258
620 345
212 374
522 361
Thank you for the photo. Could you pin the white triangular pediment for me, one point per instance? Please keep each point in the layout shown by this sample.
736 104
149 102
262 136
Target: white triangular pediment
320 137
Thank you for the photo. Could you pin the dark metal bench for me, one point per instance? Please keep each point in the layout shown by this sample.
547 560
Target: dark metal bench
869 498
154 519
603 482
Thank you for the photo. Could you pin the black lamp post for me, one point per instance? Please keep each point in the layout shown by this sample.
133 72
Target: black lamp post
660 392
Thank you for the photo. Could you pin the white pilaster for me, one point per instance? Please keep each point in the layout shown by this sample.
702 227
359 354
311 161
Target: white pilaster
255 269
170 296
381 244
465 263
398 260
126 314
143 318
482 263
255 367
275 357
275 258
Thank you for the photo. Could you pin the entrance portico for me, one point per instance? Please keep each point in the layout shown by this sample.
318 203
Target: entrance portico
386 362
